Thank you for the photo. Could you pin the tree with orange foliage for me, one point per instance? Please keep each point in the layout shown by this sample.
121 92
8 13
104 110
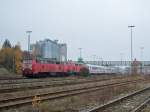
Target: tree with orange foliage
6 55
18 59
11 57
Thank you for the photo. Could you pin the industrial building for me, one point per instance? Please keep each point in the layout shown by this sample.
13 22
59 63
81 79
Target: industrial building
49 49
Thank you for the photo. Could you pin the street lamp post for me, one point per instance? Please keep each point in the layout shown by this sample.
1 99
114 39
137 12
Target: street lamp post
141 48
94 59
29 33
131 41
80 49
101 61
121 58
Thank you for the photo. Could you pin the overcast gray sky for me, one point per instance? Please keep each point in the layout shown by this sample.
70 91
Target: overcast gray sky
97 26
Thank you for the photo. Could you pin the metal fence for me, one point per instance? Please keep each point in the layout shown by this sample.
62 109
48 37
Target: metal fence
115 63
142 67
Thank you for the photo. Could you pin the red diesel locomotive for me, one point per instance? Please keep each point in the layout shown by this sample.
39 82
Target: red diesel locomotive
36 68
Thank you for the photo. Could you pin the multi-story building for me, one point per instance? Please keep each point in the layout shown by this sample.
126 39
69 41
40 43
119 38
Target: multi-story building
50 50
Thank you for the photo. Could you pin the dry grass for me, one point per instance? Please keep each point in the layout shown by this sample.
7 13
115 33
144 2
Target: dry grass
75 103
146 109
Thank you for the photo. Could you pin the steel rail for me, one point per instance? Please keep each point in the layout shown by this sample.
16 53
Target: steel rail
26 80
7 103
19 87
113 102
141 106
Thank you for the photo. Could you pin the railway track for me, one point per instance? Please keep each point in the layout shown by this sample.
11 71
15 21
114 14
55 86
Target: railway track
29 80
6 94
133 102
4 88
4 81
10 78
22 100
142 106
